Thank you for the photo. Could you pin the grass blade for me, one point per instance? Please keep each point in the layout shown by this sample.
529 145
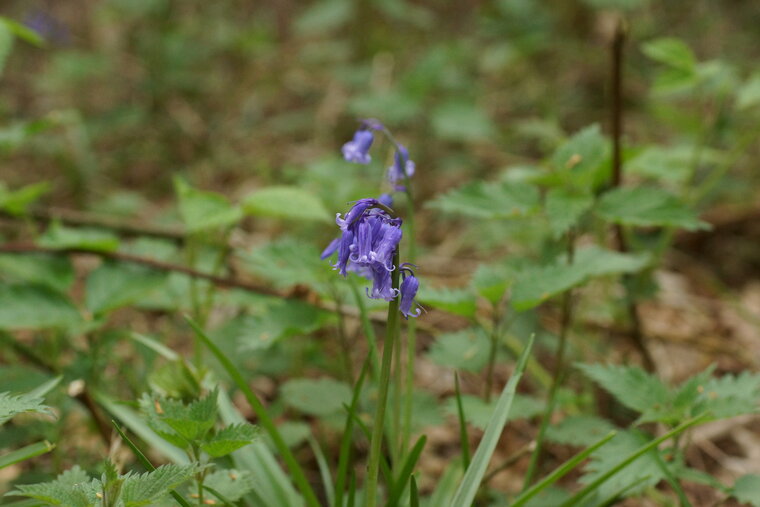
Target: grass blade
41 390
414 495
406 472
142 458
27 452
264 420
473 476
344 458
631 458
464 441
560 471
324 470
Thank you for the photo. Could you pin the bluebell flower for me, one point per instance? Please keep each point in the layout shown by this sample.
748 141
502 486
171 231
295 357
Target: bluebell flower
386 199
409 286
357 150
401 165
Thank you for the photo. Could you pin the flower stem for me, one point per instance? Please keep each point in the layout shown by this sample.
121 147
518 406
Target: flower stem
376 441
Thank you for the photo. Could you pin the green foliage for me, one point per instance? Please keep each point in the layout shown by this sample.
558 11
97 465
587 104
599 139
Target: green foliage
202 210
457 301
280 320
747 489
12 405
490 281
318 397
458 121
564 208
467 349
35 307
285 202
647 206
61 237
54 271
581 159
17 202
229 439
478 412
73 488
490 200
113 285
579 430
287 262
232 484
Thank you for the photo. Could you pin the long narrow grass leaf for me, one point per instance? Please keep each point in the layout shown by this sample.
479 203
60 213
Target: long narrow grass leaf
464 441
414 495
385 469
26 452
41 390
474 474
344 457
560 471
324 470
631 458
399 486
264 419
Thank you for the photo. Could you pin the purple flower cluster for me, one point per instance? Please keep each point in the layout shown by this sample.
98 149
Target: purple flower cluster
357 151
368 245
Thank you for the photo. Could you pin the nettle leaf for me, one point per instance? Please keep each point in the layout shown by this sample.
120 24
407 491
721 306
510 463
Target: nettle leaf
202 210
17 202
232 484
747 489
177 422
580 430
150 487
113 285
630 385
12 405
73 488
287 262
730 395
35 307
230 439
669 164
537 284
565 208
671 52
467 349
478 413
490 281
647 206
286 202
52 270
282 319
317 397
61 237
643 472
490 200
583 157
457 301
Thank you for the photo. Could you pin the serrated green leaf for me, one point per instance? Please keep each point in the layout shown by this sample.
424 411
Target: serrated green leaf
457 301
730 395
201 210
643 472
282 319
668 164
113 285
490 200
53 270
537 284
579 430
150 487
318 397
490 281
467 349
630 385
672 52
286 202
747 489
462 122
647 206
72 488
12 405
230 439
35 307
232 484
60 237
177 422
582 157
18 201
564 209
287 262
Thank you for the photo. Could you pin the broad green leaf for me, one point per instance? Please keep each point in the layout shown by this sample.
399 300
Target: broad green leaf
232 484
150 487
52 270
318 397
630 385
670 164
457 121
60 236
490 281
490 200
749 94
201 210
474 474
287 262
478 412
286 202
35 307
73 488
280 320
467 349
113 285
647 206
672 52
18 201
730 395
457 301
12 405
583 153
229 439
747 489
177 422
537 284
579 430
565 208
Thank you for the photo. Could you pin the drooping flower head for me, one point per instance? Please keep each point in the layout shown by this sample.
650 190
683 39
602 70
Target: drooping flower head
401 165
357 150
409 286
